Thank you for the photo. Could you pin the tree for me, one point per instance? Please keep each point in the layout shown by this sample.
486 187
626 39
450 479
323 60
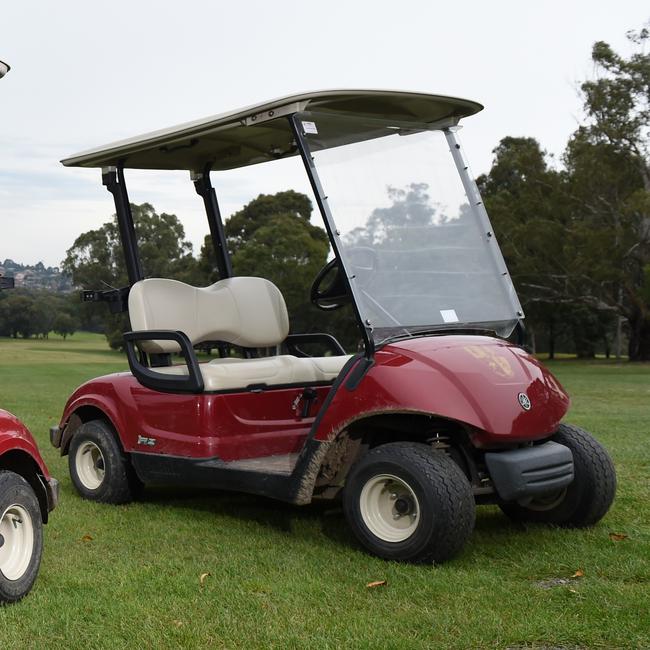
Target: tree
95 260
17 315
241 225
526 201
64 325
577 241
609 163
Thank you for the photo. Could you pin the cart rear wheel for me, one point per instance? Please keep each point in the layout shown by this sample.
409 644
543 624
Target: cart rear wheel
21 537
406 502
587 499
98 468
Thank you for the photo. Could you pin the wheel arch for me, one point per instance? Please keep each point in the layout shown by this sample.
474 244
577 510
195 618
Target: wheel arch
21 463
337 454
80 415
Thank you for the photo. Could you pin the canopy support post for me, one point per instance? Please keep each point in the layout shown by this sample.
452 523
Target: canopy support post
113 180
205 190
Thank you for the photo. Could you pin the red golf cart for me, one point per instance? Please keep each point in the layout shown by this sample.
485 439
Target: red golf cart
27 495
434 412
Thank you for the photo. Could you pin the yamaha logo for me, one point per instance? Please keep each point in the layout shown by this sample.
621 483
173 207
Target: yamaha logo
524 401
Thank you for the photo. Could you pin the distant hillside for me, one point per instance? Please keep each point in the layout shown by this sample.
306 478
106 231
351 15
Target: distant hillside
38 276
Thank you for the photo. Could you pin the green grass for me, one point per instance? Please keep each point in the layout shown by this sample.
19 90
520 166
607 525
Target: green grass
289 577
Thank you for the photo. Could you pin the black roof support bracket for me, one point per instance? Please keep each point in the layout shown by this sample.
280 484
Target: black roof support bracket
204 189
113 179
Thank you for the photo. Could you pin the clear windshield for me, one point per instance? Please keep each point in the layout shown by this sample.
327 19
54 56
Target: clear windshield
421 255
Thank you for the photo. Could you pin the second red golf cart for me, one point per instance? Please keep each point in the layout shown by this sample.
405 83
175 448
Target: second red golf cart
27 495
434 413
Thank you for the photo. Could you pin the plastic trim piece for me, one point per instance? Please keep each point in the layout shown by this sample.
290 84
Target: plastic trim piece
530 471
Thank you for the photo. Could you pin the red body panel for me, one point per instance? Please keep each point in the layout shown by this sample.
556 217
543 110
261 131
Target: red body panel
15 435
230 426
471 379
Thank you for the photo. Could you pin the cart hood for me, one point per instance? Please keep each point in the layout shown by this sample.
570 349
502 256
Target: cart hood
489 383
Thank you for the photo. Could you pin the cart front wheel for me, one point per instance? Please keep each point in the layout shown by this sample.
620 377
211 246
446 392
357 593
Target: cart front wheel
21 537
406 502
587 499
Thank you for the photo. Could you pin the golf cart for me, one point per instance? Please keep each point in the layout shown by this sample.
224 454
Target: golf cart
435 412
27 495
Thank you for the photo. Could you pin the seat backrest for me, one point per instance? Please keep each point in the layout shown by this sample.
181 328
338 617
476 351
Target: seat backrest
245 311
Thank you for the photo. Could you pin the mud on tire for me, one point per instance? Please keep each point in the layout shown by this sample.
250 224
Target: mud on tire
406 502
98 467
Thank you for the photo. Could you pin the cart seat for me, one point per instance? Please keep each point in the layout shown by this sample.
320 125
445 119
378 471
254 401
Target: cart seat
231 374
245 311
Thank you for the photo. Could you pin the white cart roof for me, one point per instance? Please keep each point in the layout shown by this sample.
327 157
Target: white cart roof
261 132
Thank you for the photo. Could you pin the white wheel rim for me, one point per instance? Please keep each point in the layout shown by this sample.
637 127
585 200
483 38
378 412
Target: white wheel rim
389 508
89 463
16 542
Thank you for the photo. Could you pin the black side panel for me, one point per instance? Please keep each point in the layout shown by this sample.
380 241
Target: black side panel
210 473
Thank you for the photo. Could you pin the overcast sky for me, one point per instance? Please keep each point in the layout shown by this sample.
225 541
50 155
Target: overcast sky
85 73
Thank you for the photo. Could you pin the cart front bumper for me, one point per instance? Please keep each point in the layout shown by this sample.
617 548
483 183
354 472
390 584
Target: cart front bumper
52 491
530 471
55 436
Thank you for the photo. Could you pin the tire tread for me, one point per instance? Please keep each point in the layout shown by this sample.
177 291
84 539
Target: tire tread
451 489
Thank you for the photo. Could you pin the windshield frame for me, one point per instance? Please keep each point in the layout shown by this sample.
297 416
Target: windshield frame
478 213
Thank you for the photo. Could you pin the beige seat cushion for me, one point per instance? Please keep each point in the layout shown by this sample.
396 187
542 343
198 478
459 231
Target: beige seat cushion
244 311
248 312
231 374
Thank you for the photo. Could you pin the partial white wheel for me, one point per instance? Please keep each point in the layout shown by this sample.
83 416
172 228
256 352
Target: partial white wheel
389 508
90 466
21 536
16 542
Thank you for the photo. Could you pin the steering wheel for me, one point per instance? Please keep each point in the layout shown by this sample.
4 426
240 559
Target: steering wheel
335 293
362 261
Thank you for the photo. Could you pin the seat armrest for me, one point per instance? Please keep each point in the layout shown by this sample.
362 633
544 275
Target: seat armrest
192 383
293 341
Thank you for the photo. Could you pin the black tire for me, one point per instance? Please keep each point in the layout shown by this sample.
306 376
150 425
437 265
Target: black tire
587 499
21 537
98 467
442 516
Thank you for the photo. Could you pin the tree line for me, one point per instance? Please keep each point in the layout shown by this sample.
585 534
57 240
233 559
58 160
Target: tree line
575 232
576 236
270 237
25 313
